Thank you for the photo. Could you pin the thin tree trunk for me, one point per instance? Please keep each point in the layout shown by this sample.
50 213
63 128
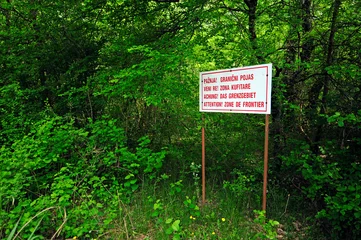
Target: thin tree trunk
252 8
329 61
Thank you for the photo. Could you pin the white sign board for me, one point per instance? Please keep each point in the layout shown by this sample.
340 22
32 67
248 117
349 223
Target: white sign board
238 90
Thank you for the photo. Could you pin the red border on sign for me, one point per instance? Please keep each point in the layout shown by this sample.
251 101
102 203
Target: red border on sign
231 110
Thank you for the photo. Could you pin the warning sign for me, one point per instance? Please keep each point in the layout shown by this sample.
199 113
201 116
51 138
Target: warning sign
238 90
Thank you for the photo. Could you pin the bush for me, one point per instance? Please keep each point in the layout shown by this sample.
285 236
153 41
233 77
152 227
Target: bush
331 182
75 173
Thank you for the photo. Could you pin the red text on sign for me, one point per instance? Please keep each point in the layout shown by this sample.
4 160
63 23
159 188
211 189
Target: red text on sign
253 104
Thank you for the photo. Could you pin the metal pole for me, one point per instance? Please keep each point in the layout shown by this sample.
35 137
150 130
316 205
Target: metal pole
265 169
203 163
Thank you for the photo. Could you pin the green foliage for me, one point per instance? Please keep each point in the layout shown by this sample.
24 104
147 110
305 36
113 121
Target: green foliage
157 209
13 113
343 208
328 182
12 233
195 170
268 226
351 119
86 172
65 65
166 216
243 187
173 228
191 206
176 187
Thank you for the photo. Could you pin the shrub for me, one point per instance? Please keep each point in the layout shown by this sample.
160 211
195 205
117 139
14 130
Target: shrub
332 183
78 172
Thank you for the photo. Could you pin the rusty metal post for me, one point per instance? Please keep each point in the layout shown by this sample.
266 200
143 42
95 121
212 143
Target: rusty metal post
203 162
265 168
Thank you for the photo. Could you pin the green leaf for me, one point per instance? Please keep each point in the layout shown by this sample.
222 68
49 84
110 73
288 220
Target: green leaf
175 225
134 187
340 123
155 214
31 237
129 176
12 233
169 231
176 237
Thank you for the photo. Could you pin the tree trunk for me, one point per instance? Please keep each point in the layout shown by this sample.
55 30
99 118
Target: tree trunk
252 8
326 78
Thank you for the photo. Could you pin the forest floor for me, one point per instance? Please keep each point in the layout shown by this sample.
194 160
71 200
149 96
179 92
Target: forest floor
175 211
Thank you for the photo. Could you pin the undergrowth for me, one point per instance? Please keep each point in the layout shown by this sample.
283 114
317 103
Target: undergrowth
61 182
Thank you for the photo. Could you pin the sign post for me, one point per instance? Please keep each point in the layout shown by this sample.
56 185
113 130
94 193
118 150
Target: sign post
203 163
237 90
265 164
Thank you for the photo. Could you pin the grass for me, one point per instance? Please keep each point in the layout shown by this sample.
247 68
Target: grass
154 213
171 209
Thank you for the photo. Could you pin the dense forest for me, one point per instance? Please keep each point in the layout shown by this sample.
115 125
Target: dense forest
100 129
